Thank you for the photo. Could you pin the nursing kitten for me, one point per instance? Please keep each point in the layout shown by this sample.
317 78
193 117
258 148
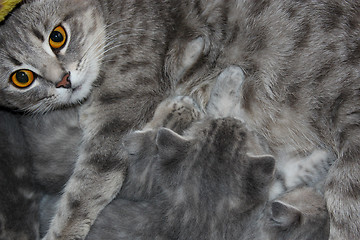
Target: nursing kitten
18 194
300 58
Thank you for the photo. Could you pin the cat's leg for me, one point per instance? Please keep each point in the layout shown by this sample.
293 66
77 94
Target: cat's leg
343 195
226 94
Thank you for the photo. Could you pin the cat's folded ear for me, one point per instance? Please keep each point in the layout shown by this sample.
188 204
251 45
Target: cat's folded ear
171 145
284 215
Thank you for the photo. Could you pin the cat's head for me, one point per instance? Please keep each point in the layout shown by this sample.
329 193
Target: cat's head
51 54
210 164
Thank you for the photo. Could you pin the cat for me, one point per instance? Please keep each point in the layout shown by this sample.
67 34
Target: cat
18 194
300 91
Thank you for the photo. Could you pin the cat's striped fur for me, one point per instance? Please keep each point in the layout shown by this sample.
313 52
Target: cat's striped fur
301 64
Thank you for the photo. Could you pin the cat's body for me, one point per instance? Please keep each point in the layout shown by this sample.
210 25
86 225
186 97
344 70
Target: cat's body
301 62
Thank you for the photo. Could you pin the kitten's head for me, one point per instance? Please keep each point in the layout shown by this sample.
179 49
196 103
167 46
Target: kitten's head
210 167
298 214
50 54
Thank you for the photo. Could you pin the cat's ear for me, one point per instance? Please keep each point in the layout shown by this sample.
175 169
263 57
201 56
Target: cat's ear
170 144
136 141
284 215
262 166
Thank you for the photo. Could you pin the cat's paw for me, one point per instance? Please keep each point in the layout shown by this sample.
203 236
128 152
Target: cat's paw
226 94
175 113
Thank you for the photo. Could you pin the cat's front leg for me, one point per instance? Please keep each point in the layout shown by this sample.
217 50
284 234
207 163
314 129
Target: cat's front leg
91 187
343 196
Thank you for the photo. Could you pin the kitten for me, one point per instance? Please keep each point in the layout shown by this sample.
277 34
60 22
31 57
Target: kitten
18 193
300 89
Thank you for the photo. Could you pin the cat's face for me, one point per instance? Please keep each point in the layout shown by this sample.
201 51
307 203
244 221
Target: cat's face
51 54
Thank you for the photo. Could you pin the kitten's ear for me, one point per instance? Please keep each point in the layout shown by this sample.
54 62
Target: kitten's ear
135 141
170 144
284 215
262 165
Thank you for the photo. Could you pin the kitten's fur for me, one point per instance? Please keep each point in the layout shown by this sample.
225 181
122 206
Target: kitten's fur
18 194
299 214
301 60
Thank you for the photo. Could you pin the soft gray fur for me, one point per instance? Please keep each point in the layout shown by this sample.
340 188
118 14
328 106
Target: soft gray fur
301 64
18 194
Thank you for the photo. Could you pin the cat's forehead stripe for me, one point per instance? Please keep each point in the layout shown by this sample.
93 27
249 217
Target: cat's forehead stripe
14 60
38 34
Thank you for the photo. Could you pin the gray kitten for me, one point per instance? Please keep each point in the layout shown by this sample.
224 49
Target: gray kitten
18 194
300 90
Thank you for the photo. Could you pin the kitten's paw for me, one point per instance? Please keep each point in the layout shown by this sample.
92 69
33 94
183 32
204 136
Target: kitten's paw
226 94
175 113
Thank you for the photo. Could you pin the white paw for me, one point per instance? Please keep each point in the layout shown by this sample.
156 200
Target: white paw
226 94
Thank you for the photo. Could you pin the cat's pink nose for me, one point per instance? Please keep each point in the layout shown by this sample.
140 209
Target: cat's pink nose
65 82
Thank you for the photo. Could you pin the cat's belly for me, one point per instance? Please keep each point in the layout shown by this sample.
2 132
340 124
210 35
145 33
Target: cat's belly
282 128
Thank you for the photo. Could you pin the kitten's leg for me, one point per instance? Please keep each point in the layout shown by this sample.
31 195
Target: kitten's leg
226 94
343 196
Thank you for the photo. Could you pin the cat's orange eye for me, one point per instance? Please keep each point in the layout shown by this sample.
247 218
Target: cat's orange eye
22 78
57 38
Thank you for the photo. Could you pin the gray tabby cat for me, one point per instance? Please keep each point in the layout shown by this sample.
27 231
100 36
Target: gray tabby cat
301 60
18 194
